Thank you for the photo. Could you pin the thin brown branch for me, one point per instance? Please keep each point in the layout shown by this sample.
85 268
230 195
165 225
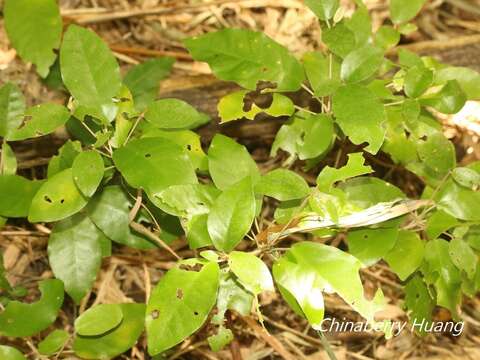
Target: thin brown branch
144 231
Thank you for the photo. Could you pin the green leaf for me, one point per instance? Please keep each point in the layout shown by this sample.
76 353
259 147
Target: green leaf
8 161
354 167
174 114
437 156
221 339
22 319
167 164
251 272
88 170
232 215
10 353
417 80
116 341
463 256
12 108
308 269
17 194
57 199
197 232
188 140
307 138
231 296
360 24
468 79
89 69
459 201
283 185
186 200
418 301
387 37
34 28
40 120
339 39
407 254
438 223
247 58
179 305
53 343
324 81
449 100
361 64
64 160
323 9
365 192
371 245
110 210
99 319
229 162
143 80
466 177
75 254
231 107
360 115
402 11
440 272
316 136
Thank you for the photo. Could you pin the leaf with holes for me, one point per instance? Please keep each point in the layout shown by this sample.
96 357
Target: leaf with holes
40 120
57 199
248 58
162 162
360 115
232 106
180 294
75 254
22 319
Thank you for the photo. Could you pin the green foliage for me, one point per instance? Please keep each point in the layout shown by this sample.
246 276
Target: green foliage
53 343
99 319
115 342
247 58
22 319
135 172
181 294
35 29
10 353
75 254
143 80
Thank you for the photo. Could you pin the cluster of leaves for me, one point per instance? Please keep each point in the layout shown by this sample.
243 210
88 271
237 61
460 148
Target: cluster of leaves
135 173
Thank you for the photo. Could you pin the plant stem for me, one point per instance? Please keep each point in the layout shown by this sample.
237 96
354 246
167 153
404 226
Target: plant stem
326 345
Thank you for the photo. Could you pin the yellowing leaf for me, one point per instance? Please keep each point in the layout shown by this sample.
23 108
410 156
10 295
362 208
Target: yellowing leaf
231 107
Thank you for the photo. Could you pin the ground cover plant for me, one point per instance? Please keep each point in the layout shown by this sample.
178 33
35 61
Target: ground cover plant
135 173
